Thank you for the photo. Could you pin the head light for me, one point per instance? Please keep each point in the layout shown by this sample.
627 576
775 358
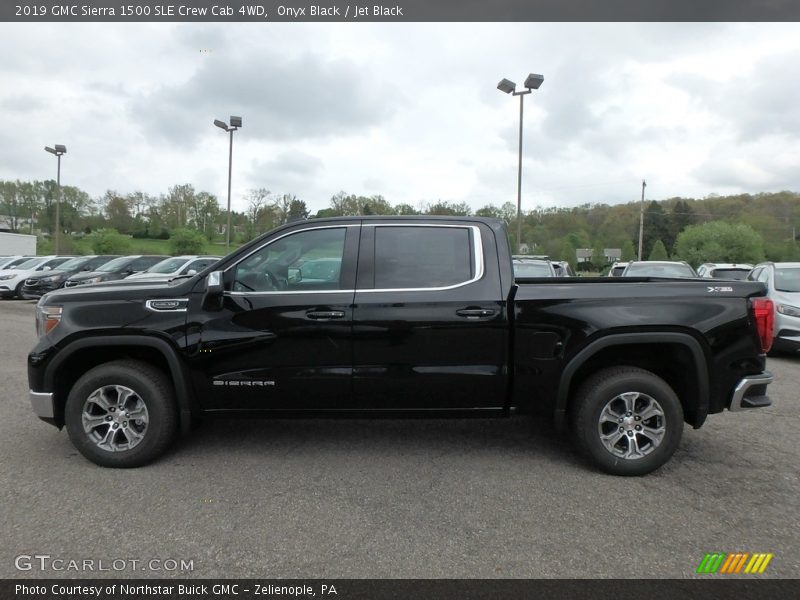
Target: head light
7 277
47 317
789 310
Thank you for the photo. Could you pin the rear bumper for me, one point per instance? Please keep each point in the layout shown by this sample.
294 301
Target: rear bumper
751 392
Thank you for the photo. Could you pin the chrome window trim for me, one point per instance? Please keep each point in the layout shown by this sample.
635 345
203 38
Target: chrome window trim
477 253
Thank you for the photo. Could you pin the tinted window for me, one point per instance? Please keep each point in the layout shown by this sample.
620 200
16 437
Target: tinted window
52 263
115 265
422 257
168 265
737 274
75 263
617 271
659 270
787 279
144 263
303 261
199 264
532 269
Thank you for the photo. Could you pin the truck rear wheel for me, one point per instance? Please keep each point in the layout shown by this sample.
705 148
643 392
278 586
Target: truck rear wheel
121 414
627 420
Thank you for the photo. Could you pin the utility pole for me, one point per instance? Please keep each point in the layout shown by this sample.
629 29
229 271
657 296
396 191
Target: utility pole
641 219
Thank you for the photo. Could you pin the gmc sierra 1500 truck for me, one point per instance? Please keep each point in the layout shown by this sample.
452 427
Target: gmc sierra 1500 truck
397 316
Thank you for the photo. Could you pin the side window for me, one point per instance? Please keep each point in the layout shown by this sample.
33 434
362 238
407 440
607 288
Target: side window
423 257
763 276
144 263
302 261
198 265
753 275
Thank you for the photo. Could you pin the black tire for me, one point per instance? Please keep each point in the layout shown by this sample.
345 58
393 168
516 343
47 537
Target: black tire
151 387
605 389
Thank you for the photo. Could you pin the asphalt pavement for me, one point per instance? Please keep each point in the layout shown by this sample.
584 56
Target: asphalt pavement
463 498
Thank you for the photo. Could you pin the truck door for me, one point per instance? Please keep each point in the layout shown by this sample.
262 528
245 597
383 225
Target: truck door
429 323
283 337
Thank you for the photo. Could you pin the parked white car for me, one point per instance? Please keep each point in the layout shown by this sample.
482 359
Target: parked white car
12 280
9 262
173 267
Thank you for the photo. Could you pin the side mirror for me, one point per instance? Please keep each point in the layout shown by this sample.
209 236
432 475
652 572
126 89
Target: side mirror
47 268
212 300
295 275
191 272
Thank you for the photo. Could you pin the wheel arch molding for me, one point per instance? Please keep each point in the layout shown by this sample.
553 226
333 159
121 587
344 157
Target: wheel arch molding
693 388
83 354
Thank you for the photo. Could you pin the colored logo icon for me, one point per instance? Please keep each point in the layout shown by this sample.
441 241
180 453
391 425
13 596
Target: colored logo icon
734 563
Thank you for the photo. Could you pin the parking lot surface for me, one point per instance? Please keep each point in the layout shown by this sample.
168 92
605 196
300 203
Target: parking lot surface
398 499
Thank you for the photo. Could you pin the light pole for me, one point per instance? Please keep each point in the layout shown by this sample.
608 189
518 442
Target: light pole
236 122
641 219
532 82
58 151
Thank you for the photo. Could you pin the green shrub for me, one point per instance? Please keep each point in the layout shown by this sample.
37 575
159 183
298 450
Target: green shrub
187 241
109 241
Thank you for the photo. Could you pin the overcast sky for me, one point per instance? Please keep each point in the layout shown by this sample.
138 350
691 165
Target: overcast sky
409 111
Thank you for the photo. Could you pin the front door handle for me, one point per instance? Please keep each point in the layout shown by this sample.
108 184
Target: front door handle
325 315
475 313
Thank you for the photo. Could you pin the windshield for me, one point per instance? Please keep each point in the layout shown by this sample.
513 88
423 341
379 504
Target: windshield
29 264
659 270
75 263
787 279
737 274
532 269
167 266
115 264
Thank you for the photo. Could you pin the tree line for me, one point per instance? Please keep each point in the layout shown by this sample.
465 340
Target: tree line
736 228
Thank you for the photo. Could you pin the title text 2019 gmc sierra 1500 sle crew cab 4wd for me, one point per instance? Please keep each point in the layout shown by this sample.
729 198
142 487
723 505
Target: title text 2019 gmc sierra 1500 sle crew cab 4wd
388 316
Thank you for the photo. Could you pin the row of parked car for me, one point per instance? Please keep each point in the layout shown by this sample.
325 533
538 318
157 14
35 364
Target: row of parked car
31 277
782 280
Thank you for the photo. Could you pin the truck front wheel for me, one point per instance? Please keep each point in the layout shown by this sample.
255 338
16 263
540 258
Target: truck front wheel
627 420
121 414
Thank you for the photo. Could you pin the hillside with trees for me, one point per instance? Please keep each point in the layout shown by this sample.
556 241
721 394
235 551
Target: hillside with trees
740 228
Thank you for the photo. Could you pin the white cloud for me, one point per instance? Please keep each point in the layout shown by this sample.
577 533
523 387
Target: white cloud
409 111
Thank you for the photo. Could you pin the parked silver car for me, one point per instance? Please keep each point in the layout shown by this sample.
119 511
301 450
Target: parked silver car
737 271
659 268
783 288
532 267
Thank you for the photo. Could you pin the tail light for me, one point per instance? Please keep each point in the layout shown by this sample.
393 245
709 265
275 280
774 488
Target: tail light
764 314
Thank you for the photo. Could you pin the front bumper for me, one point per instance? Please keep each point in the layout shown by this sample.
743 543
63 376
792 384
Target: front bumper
751 392
34 292
43 406
6 292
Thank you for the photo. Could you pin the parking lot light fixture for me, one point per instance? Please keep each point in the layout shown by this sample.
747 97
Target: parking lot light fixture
532 82
235 123
58 151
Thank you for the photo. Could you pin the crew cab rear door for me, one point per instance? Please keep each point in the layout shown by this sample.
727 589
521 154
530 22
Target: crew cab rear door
282 340
429 323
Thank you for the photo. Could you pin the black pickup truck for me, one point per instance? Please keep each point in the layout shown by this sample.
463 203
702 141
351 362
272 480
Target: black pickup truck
397 316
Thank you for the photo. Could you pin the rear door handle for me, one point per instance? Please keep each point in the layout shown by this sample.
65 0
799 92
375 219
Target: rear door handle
475 313
325 315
